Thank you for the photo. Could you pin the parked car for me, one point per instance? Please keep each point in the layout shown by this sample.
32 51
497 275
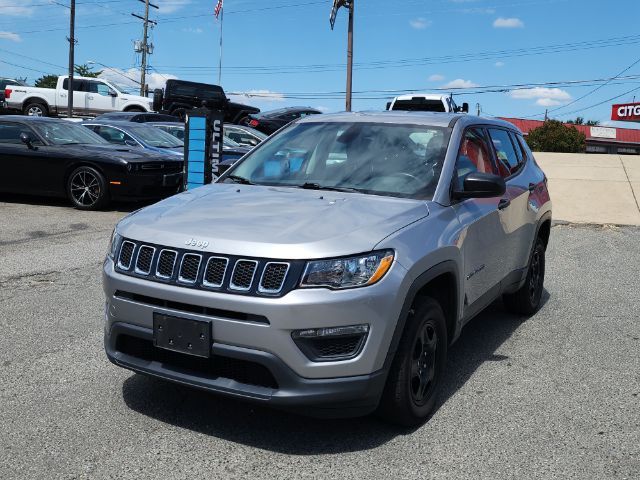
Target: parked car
91 96
44 156
425 102
180 96
243 135
269 122
334 279
140 135
4 83
139 117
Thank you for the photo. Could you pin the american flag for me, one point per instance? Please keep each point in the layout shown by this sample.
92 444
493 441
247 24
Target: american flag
218 8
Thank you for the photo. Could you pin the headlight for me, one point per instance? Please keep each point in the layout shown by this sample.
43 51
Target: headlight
347 272
114 242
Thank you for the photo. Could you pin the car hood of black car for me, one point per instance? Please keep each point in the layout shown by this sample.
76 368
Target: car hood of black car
113 152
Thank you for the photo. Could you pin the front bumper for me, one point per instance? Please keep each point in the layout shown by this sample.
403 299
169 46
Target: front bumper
352 386
145 186
332 397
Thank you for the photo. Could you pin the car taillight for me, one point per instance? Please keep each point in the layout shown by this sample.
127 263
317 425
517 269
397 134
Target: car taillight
7 93
254 123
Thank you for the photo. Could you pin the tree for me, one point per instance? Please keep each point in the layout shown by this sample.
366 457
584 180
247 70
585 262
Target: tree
555 136
580 121
86 71
47 81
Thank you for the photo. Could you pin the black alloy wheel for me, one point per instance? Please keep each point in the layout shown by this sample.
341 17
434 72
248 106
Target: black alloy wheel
87 189
417 369
526 300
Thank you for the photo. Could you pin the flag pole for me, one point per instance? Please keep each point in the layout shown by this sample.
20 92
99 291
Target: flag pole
220 63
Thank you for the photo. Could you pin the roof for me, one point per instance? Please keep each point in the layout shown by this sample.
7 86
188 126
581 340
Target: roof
624 135
428 96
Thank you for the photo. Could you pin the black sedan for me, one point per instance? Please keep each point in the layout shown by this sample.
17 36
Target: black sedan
269 122
46 156
138 117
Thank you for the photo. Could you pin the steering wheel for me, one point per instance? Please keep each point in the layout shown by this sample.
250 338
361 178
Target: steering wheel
407 176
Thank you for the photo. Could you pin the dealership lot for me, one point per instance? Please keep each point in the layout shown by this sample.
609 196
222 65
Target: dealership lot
557 396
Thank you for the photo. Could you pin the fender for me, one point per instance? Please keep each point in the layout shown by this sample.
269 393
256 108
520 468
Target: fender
448 266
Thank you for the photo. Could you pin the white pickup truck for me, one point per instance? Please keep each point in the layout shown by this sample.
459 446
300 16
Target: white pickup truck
426 102
91 96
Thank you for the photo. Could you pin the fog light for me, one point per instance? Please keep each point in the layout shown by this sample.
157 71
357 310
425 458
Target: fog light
331 343
331 331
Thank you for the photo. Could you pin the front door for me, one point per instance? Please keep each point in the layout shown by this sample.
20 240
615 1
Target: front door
482 236
20 165
98 98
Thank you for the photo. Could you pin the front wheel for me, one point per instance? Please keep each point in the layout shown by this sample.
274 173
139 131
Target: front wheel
418 367
87 189
526 300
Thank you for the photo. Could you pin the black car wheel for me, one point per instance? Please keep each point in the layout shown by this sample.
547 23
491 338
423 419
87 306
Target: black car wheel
87 189
417 369
35 109
526 300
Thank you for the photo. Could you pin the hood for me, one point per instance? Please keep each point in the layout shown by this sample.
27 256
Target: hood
273 222
130 154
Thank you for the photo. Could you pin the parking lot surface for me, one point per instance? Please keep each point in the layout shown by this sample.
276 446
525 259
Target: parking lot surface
555 396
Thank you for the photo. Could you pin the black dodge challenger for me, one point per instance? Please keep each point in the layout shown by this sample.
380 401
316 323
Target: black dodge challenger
54 157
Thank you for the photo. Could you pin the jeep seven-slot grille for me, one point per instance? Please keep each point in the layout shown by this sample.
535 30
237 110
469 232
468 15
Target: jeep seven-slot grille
210 271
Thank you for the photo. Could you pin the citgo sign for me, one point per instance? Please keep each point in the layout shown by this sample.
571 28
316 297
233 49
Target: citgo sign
626 112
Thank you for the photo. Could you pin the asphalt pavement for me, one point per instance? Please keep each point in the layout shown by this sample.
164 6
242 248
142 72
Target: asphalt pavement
555 396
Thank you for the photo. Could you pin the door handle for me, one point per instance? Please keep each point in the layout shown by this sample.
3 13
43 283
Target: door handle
90 98
503 203
532 187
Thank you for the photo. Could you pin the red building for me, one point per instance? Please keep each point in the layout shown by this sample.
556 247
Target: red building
624 141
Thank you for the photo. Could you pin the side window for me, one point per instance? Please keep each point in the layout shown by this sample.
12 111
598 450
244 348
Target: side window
77 85
10 133
506 156
521 150
97 87
473 155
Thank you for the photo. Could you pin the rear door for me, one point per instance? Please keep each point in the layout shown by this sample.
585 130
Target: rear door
483 237
516 216
79 96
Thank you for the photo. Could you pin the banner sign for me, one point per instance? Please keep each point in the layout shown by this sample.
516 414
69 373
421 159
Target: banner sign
603 132
626 112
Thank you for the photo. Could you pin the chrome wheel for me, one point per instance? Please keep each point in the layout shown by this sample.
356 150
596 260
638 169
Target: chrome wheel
35 111
423 363
85 188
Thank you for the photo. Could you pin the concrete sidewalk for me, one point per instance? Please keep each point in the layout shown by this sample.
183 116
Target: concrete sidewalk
592 188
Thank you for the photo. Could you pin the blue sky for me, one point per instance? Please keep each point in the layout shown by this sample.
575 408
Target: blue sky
283 48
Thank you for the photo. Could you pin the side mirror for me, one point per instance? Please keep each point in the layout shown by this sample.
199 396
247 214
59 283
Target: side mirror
130 143
27 140
112 93
481 185
388 105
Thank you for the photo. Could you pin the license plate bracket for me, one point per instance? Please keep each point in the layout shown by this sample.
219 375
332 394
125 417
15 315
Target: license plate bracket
192 337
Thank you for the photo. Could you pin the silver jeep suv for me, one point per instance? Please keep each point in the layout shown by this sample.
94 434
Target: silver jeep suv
329 270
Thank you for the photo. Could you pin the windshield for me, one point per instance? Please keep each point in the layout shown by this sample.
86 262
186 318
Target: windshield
67 134
374 158
131 89
419 104
155 137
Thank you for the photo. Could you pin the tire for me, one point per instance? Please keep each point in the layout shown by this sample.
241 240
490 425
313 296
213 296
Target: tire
135 109
87 189
417 368
526 300
36 109
244 121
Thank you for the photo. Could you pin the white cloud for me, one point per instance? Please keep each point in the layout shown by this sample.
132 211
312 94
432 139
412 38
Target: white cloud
548 102
170 6
436 77
420 23
14 37
499 64
544 97
502 22
540 92
131 77
460 83
9 8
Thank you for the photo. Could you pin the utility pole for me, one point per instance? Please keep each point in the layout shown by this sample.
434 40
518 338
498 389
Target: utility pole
72 44
478 108
145 48
332 19
350 57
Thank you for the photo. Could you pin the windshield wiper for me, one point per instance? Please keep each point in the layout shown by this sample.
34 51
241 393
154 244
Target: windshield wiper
317 186
239 179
